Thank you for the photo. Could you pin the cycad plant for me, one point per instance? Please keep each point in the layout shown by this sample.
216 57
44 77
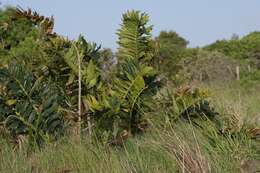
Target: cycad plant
130 93
28 37
135 37
82 59
136 81
31 105
186 103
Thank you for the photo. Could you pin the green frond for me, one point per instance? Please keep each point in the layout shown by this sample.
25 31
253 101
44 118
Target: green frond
32 104
89 55
124 101
134 37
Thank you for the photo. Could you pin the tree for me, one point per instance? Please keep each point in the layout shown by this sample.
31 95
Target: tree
170 43
169 46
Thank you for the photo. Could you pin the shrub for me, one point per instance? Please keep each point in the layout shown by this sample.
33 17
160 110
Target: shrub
207 67
186 103
29 105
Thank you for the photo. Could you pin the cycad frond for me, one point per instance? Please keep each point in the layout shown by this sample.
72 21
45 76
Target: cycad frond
130 92
89 57
32 104
134 37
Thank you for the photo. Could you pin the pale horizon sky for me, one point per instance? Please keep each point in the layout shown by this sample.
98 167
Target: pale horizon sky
201 22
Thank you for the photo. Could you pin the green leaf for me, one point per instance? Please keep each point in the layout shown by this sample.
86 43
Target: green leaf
10 102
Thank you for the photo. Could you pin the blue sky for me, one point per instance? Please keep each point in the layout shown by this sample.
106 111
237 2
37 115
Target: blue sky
199 21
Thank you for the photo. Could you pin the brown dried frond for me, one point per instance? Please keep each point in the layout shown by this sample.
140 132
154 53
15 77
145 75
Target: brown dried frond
20 12
46 23
50 25
183 89
254 133
19 141
64 170
119 140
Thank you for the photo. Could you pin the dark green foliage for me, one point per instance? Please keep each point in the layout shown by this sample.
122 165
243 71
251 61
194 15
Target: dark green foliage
33 76
135 88
170 44
200 109
31 103
123 105
13 30
89 56
169 49
136 83
26 42
41 53
237 48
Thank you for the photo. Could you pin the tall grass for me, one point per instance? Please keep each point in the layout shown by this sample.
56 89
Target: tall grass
177 147
181 148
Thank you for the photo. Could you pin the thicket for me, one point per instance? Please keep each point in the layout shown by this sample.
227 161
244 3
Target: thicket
52 87
76 99
208 63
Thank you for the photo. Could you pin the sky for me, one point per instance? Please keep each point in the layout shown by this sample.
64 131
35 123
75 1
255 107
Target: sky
201 22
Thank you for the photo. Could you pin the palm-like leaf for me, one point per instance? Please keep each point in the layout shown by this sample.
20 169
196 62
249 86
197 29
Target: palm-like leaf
135 37
89 57
130 92
33 104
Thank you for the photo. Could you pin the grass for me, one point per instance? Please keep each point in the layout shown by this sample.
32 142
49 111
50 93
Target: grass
178 147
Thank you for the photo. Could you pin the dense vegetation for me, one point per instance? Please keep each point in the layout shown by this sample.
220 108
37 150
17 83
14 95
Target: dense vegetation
153 106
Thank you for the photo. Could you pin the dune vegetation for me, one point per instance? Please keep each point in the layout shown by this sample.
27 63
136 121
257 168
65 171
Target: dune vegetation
153 105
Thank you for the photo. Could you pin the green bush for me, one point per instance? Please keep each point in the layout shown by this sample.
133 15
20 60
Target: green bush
29 106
